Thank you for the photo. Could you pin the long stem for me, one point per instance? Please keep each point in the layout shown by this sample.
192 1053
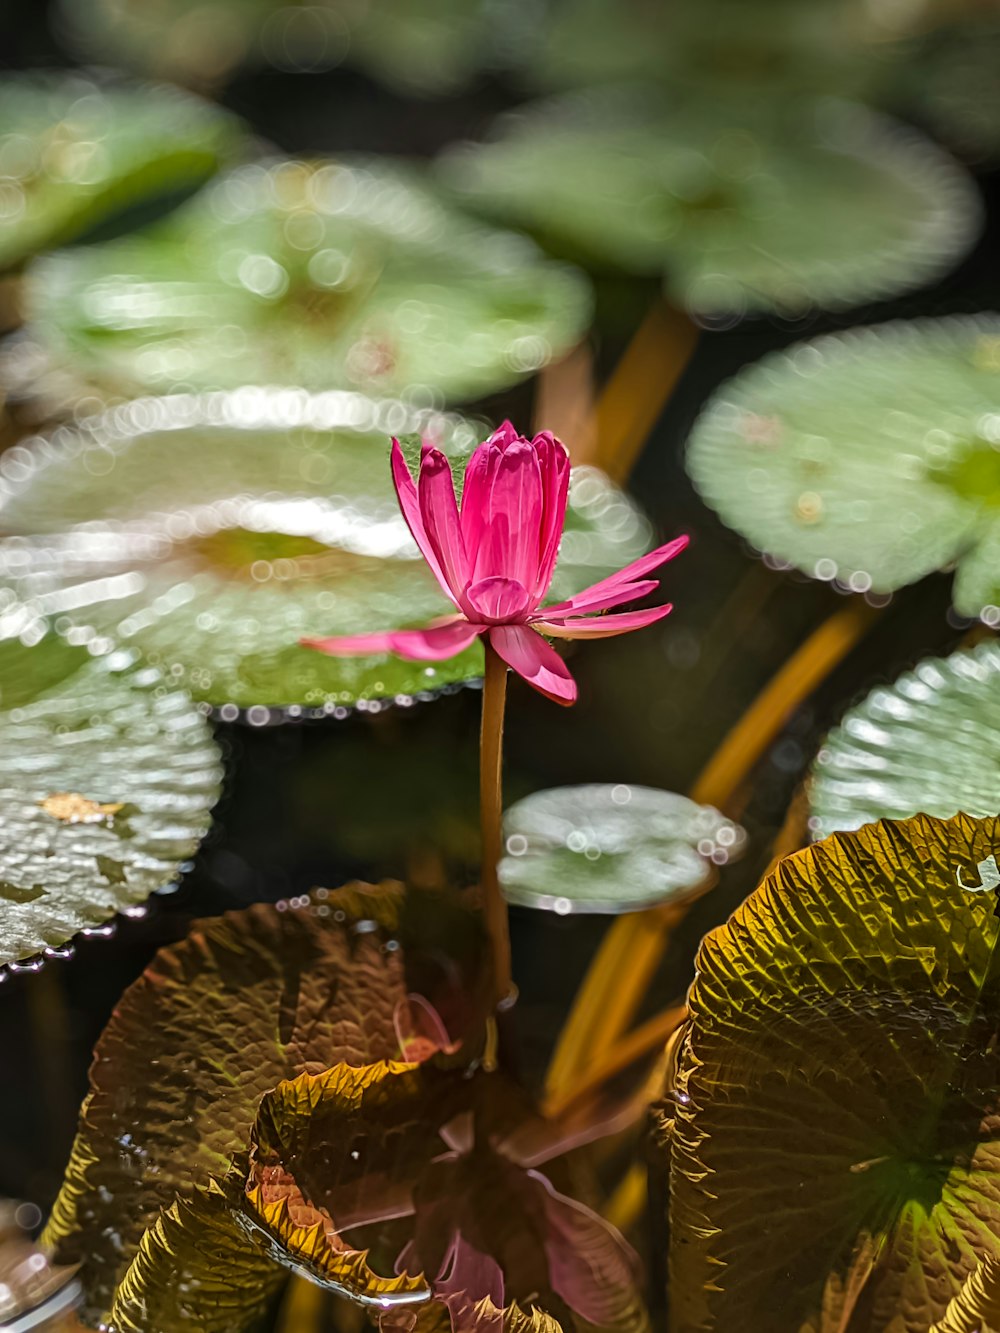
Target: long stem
491 821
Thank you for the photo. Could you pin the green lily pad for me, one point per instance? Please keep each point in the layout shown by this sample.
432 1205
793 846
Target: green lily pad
607 849
952 79
869 457
745 211
75 150
107 779
719 48
834 1123
337 275
213 532
927 744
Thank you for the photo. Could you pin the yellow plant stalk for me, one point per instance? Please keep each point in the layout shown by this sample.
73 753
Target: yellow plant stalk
632 949
640 385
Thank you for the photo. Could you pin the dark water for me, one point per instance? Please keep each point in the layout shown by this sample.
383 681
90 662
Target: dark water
653 706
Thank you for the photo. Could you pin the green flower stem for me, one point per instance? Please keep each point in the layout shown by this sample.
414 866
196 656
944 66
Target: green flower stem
491 822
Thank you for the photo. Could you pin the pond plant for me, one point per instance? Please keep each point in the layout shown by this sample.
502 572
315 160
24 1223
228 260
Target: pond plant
254 511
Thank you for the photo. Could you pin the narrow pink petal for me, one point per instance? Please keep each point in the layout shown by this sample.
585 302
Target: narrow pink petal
479 473
531 657
630 574
432 644
601 627
350 645
509 546
555 490
505 435
406 493
439 514
585 602
436 643
497 599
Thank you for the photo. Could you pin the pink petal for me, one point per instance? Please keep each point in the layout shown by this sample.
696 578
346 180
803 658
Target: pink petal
555 470
433 644
439 514
602 627
505 435
531 657
587 601
509 544
497 599
630 574
406 494
479 473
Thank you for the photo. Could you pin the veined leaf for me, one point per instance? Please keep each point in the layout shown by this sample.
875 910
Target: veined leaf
925 744
197 1268
866 457
216 1021
215 531
108 774
976 1308
339 1158
835 1118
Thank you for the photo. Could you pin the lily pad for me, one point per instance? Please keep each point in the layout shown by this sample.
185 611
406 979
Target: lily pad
80 724
214 531
76 149
608 849
719 48
926 744
744 211
953 85
329 275
834 1122
870 457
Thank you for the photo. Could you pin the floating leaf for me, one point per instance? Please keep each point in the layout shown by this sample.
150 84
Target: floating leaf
245 1001
868 457
761 49
215 531
617 848
93 720
829 207
328 275
835 1121
925 744
952 79
75 150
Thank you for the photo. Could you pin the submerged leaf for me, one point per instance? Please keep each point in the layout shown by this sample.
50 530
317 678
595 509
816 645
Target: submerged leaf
92 720
214 531
868 457
215 1022
329 275
925 744
77 149
835 1118
743 212
611 848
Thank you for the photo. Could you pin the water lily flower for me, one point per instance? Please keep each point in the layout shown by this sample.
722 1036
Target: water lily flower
494 559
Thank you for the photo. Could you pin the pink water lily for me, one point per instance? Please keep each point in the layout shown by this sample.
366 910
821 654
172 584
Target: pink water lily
495 558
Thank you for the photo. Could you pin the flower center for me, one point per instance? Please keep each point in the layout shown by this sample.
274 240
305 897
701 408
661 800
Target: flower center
497 600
